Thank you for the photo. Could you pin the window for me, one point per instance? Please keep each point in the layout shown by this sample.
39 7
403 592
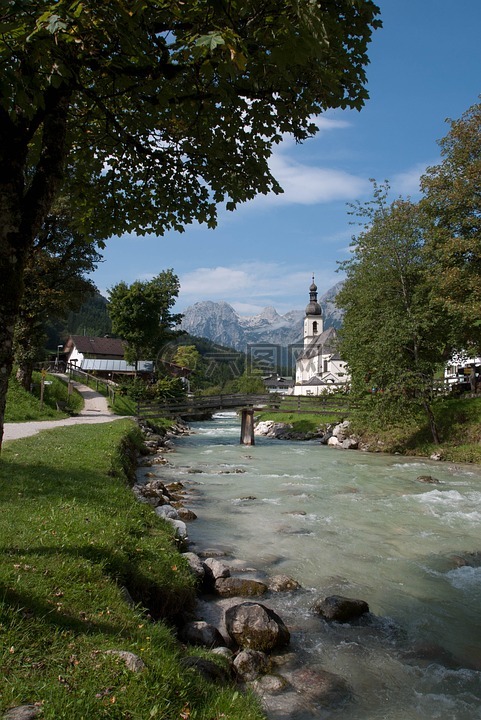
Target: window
326 365
314 327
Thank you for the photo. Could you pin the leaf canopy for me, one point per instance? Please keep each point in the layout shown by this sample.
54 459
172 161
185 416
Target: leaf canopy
173 105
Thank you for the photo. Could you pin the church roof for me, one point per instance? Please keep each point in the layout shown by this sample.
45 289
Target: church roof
323 344
315 380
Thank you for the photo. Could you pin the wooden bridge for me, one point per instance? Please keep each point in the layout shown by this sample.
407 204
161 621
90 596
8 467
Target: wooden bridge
204 406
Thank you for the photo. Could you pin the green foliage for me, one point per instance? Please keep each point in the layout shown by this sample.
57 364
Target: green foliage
141 314
55 282
90 319
187 356
179 97
452 202
246 383
458 422
168 387
394 335
164 388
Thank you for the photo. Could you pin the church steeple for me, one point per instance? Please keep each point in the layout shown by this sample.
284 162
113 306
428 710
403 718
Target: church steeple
313 324
313 307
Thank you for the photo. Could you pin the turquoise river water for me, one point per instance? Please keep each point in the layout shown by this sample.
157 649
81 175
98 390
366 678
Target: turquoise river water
360 525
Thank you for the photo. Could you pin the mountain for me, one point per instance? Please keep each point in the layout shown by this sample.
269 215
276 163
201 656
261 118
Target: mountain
219 322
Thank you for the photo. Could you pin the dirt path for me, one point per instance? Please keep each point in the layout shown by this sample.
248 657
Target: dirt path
95 410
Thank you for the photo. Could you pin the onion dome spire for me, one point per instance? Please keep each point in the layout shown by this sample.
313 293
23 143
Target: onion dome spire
313 307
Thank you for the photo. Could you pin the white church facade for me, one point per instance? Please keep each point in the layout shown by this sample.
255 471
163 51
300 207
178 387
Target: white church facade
319 368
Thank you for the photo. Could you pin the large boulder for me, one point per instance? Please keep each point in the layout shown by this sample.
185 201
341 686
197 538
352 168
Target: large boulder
282 583
272 429
132 662
249 664
180 528
167 511
199 632
341 431
215 569
340 609
239 587
253 625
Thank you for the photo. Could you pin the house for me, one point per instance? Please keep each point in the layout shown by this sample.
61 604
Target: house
277 384
102 356
460 369
319 368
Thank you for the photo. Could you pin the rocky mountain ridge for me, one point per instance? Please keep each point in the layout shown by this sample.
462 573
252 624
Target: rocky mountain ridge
219 322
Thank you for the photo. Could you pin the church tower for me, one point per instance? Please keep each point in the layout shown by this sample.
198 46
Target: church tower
313 323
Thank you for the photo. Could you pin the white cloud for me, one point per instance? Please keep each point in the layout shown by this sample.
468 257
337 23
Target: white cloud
324 124
250 287
215 282
407 183
309 185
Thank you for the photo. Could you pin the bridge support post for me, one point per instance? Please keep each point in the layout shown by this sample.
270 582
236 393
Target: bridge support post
247 427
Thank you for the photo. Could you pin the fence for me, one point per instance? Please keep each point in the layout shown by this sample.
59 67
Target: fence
109 387
202 405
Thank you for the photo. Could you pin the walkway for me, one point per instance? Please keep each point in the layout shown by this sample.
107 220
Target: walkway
95 410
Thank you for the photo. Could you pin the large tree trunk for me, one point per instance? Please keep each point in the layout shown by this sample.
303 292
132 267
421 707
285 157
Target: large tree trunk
11 292
23 209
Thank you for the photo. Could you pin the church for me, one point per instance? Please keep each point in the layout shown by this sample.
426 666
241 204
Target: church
319 368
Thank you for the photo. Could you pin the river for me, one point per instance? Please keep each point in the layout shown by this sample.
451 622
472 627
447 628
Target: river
363 526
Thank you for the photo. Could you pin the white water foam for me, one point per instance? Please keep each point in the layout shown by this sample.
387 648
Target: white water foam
465 578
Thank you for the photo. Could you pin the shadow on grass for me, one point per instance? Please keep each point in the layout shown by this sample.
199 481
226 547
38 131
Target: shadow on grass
161 601
28 606
46 480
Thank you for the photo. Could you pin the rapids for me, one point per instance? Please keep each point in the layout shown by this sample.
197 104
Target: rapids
360 525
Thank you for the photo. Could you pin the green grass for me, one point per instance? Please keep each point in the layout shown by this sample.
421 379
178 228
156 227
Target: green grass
459 425
315 412
301 423
72 536
23 406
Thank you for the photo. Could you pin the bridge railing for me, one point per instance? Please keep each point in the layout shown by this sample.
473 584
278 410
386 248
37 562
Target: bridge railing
202 404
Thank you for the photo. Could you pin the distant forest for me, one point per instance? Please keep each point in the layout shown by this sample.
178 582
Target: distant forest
91 319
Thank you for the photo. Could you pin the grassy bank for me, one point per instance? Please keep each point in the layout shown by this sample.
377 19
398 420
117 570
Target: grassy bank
23 406
73 537
316 412
306 423
458 421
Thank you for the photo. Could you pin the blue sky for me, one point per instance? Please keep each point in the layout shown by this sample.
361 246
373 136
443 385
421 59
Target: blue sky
425 67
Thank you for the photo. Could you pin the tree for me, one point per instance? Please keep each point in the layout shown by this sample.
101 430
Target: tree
55 283
141 314
186 356
179 103
452 202
157 110
393 336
